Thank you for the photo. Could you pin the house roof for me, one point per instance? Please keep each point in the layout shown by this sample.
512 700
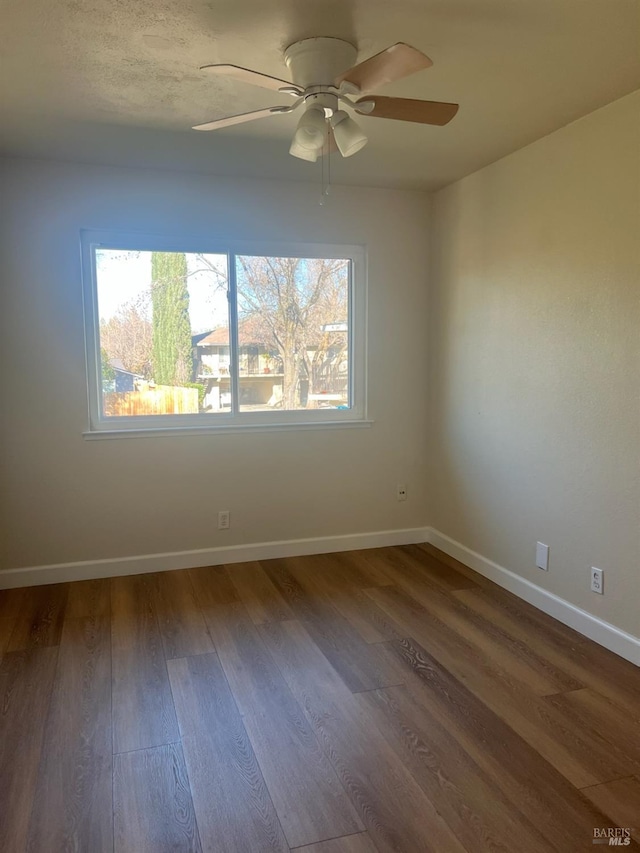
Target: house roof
251 332
119 367
195 339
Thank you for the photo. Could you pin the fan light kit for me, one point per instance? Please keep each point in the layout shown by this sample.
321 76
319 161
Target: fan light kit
323 87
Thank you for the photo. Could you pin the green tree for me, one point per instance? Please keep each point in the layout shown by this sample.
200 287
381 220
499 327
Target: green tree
172 357
108 373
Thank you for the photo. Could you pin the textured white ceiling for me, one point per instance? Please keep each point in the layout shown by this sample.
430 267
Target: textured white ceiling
117 81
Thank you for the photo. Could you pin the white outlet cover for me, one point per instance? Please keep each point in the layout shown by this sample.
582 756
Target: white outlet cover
542 556
597 580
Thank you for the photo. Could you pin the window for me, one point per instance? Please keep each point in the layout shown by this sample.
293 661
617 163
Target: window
199 336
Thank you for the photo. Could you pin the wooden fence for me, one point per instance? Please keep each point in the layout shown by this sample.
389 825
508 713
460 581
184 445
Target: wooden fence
161 400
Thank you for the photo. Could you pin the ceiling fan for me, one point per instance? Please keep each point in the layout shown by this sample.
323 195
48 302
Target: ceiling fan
323 87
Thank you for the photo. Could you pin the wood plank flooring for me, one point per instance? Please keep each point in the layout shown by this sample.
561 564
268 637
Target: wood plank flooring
383 700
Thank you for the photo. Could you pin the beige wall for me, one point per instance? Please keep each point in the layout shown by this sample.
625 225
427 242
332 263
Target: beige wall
68 499
534 361
532 416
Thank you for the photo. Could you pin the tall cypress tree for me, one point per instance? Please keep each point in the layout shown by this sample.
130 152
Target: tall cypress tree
172 355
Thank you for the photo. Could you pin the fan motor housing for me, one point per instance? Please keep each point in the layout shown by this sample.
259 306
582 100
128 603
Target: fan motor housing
316 96
318 61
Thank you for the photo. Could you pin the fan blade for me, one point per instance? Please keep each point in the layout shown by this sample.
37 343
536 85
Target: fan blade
246 75
407 109
227 121
392 64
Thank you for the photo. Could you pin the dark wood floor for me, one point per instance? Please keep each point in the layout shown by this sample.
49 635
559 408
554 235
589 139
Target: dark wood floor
383 700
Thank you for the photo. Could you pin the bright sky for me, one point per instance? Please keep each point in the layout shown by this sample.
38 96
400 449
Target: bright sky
126 276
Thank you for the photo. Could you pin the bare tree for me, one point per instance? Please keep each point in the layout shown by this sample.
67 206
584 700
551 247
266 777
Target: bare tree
293 300
128 336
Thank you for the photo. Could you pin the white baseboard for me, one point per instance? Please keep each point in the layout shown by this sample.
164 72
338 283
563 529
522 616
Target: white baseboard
89 569
604 633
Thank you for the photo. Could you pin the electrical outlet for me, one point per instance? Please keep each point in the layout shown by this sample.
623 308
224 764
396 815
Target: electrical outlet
542 556
402 492
597 580
224 519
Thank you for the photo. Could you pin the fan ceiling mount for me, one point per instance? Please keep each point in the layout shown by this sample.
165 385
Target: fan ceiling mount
323 87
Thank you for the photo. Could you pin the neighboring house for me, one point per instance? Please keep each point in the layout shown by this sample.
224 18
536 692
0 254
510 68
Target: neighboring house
260 366
211 352
124 379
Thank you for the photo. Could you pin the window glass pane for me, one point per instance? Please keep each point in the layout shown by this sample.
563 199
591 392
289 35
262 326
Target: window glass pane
164 332
293 333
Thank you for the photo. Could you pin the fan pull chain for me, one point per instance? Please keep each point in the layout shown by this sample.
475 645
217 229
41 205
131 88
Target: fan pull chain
326 186
328 159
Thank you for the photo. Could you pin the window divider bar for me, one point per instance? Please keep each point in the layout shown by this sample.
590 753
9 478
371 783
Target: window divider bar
232 295
92 335
351 349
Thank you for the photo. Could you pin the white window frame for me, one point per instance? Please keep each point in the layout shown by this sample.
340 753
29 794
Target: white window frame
114 426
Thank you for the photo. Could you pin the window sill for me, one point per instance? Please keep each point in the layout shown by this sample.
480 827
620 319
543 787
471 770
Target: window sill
165 432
